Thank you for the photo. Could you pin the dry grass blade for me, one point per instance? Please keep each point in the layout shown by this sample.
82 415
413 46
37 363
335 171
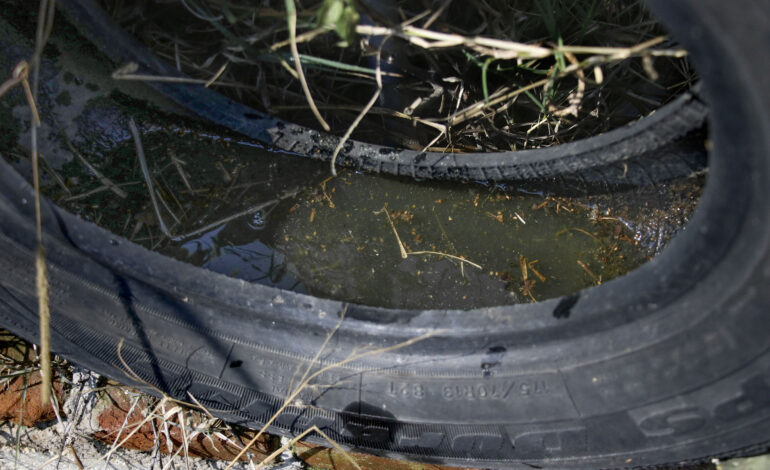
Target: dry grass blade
216 76
54 174
147 176
304 37
401 248
20 76
78 462
504 49
597 279
436 14
128 72
312 363
99 175
21 414
447 255
291 18
361 115
224 220
428 39
15 79
405 254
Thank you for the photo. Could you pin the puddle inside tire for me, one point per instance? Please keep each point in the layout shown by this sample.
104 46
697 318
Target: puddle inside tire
234 207
240 210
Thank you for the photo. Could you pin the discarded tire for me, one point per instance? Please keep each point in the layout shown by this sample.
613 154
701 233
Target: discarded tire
651 143
670 363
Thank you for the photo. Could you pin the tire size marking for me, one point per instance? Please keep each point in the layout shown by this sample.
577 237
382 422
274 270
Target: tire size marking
485 390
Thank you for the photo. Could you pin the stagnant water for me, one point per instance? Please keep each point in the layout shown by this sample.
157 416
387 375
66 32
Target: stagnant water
363 238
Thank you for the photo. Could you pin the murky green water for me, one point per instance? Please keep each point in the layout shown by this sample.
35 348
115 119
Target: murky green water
344 245
438 245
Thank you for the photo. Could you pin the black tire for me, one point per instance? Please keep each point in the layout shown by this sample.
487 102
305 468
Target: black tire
670 363
651 142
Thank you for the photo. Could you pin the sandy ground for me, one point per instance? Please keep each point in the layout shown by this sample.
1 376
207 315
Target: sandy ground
67 443
48 448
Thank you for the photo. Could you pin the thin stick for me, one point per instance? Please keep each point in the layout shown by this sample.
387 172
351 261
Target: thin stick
16 79
216 76
440 11
98 190
291 19
78 462
178 165
435 139
53 173
437 253
596 279
304 37
291 71
30 94
21 415
401 248
584 232
182 424
44 28
235 216
127 72
166 206
405 254
535 271
363 112
147 178
103 179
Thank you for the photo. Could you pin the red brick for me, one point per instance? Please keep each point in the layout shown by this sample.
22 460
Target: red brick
111 421
33 412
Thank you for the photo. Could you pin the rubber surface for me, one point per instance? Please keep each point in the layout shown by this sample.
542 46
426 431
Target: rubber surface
670 363
648 140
